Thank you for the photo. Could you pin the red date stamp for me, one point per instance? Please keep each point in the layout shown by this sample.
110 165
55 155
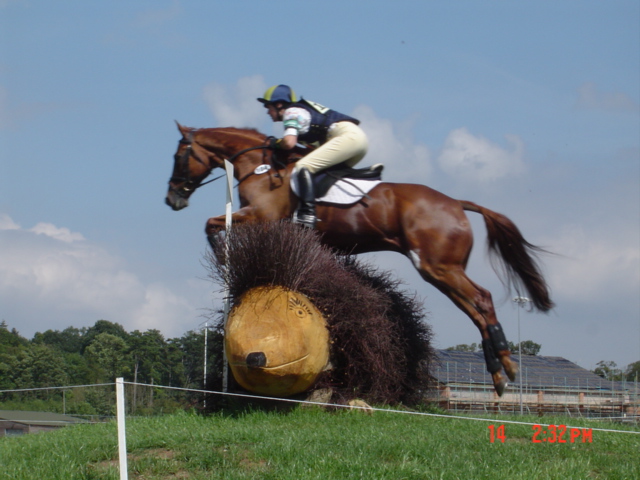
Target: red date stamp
547 434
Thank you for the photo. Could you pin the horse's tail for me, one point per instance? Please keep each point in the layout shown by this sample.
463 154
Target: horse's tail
518 258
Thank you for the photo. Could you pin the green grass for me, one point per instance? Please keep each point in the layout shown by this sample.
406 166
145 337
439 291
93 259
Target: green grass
314 444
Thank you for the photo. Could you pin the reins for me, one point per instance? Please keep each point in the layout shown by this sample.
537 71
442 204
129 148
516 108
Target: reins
231 159
191 187
242 152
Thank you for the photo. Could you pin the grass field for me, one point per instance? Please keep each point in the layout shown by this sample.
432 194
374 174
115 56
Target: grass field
309 443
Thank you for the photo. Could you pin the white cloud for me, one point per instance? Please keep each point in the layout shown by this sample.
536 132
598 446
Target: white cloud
389 143
392 144
63 234
593 267
7 223
236 105
590 98
476 159
51 278
161 306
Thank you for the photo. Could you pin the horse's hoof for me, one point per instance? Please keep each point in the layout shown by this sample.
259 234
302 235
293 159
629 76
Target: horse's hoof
214 240
217 239
511 371
361 405
499 384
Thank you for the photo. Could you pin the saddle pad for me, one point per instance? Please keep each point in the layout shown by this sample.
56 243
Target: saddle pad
343 192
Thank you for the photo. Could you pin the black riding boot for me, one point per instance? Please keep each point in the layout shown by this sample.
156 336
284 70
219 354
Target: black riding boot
307 209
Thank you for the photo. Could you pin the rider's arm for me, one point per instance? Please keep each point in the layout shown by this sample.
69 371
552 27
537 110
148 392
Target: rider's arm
296 121
288 142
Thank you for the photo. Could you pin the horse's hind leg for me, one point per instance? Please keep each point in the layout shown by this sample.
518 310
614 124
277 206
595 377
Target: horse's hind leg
476 302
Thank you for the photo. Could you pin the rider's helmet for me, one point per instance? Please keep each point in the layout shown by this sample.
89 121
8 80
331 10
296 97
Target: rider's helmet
279 93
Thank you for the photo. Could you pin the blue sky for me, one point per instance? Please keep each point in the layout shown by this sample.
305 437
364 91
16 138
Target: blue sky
531 109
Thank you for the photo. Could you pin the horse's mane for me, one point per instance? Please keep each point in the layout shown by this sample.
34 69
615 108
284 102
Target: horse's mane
238 138
248 133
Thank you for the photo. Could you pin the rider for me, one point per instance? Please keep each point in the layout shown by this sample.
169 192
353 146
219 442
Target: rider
339 136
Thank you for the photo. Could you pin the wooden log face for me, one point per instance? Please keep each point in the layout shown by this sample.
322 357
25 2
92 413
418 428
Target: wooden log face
276 342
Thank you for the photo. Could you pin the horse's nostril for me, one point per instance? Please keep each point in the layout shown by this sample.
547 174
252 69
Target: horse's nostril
256 360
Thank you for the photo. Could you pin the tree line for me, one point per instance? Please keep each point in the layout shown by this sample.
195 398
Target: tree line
97 355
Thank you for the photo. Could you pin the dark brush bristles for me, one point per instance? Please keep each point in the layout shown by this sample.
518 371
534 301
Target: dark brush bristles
271 253
414 335
380 348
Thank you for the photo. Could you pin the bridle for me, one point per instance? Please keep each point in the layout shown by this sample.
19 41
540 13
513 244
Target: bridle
187 184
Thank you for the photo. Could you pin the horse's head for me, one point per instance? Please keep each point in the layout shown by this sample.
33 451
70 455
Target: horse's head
192 163
201 150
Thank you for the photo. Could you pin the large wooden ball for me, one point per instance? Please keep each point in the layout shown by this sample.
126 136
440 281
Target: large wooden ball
276 342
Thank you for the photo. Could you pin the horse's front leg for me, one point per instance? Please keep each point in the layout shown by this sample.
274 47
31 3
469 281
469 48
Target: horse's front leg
214 229
216 225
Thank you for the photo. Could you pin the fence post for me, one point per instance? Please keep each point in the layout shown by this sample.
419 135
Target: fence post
228 166
122 434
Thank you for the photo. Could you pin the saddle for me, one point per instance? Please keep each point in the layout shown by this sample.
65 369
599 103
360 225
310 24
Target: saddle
326 179
343 185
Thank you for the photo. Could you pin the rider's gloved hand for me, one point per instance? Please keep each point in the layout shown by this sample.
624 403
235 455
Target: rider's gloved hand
275 142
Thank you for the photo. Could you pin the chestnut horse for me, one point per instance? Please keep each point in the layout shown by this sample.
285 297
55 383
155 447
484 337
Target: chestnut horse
428 227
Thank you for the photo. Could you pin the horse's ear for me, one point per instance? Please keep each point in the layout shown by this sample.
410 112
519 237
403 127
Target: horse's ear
183 130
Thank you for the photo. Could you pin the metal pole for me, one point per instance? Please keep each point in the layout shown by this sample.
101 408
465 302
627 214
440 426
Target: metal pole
520 361
204 381
520 301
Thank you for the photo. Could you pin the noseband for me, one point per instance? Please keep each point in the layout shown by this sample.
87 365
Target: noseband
182 162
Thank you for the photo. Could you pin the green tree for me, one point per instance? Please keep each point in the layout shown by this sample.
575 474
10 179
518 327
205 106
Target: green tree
12 347
110 354
463 347
177 370
632 372
40 366
104 326
149 356
10 340
69 340
78 369
608 370
8 366
529 347
192 348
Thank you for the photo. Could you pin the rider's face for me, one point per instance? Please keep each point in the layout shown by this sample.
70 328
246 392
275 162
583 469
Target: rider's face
274 112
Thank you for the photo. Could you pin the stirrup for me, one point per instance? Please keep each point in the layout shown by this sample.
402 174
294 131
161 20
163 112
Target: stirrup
308 221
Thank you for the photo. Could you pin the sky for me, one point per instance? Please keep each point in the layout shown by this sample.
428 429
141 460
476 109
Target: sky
530 108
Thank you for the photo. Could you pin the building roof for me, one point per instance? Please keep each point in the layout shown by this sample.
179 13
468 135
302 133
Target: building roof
39 418
470 368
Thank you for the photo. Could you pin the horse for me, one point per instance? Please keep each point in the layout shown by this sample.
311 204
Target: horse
428 227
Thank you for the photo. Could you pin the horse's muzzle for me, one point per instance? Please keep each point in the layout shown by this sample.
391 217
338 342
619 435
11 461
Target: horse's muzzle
176 202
